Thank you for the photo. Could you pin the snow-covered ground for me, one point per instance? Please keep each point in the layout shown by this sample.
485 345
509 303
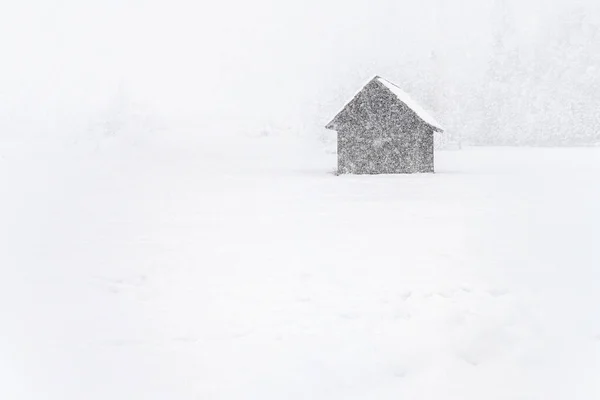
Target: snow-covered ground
243 268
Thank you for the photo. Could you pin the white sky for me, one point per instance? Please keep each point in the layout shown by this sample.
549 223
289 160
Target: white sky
282 62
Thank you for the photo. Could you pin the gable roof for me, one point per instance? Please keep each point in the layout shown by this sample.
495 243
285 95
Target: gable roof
412 104
403 97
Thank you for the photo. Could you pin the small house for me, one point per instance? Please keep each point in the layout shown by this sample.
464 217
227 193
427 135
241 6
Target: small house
382 130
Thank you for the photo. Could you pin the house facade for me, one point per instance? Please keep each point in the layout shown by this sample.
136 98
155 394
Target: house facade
384 131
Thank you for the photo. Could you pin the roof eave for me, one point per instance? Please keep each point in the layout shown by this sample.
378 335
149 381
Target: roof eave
434 128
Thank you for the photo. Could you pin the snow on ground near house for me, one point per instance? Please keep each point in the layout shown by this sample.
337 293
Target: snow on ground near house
246 270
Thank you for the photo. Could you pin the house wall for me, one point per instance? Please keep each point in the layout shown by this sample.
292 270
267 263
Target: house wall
377 134
428 160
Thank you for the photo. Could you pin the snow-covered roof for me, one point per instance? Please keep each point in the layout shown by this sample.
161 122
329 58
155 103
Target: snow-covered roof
410 103
401 95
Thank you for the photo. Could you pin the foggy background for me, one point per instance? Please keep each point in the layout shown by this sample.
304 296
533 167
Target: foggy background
492 71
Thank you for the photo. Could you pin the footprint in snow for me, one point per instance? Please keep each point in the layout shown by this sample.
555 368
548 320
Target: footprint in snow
399 372
406 295
498 292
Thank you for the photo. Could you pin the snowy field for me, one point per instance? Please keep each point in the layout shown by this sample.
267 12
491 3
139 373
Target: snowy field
243 268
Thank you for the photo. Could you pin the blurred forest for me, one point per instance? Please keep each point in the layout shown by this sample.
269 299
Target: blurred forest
494 72
542 93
